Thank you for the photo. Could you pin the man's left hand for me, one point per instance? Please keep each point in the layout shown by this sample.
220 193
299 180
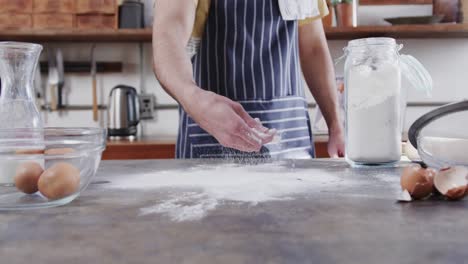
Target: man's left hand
336 145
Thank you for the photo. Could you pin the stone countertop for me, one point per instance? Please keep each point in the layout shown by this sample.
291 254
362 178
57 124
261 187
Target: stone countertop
358 223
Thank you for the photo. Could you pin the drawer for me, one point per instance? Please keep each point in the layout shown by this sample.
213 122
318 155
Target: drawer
16 6
96 21
96 7
15 21
53 21
54 6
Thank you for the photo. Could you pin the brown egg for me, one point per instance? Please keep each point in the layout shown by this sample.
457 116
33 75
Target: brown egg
452 182
27 176
59 181
419 182
58 151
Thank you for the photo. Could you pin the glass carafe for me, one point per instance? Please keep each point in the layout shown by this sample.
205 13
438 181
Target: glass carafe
20 121
375 101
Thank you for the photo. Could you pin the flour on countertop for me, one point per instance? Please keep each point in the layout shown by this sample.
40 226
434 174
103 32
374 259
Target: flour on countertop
202 188
185 207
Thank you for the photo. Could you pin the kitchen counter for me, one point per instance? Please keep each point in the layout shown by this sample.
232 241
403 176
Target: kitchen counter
164 148
358 222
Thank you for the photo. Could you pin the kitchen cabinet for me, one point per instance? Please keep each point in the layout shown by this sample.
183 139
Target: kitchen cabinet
53 21
96 21
7 21
16 6
157 148
143 148
96 7
54 6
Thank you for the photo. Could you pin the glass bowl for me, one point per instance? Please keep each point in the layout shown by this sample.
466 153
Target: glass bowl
79 147
441 136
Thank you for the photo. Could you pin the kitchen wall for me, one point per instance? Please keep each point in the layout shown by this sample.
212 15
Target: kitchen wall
446 60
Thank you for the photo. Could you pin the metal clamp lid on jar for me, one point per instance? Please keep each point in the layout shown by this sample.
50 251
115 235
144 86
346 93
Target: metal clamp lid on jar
366 42
412 69
374 42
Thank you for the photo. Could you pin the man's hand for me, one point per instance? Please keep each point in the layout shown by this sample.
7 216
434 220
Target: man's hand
336 145
227 121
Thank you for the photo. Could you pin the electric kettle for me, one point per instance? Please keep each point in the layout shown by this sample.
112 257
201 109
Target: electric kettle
123 112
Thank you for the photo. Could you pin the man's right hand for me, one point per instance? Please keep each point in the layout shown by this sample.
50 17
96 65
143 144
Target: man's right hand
227 121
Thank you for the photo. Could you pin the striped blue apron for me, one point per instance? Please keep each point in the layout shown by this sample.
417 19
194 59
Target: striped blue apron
251 55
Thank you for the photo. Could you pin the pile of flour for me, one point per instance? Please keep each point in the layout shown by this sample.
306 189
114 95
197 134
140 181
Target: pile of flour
200 189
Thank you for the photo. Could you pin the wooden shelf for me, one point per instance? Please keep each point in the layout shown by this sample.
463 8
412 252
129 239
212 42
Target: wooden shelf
401 31
106 35
395 2
144 35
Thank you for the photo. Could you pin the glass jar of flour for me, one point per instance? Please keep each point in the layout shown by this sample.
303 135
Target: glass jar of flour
375 102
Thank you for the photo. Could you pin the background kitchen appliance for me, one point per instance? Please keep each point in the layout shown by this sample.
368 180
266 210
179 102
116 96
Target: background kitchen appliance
61 77
94 83
53 78
149 12
131 15
123 112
